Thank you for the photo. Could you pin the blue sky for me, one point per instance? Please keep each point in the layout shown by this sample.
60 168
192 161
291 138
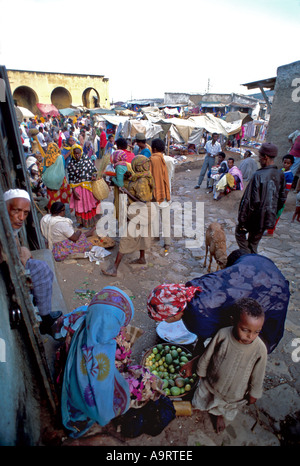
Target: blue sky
161 46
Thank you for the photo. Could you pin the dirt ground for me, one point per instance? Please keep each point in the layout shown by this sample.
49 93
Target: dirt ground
179 265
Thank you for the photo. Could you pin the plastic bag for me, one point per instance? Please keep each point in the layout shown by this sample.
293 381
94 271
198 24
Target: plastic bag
54 175
96 254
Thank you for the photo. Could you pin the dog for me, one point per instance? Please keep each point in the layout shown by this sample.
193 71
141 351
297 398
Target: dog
215 242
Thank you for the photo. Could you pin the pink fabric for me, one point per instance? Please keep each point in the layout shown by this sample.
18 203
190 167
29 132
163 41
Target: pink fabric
237 172
86 203
130 155
295 151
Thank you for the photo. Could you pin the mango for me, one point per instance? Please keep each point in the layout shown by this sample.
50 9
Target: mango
179 382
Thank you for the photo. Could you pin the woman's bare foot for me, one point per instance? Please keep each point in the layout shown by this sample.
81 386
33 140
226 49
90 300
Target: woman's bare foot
138 261
219 423
111 271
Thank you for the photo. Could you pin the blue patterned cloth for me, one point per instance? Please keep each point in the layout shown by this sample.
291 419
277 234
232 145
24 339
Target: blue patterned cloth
251 276
93 389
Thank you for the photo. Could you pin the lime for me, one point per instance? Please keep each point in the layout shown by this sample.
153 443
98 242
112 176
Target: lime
155 350
174 354
175 391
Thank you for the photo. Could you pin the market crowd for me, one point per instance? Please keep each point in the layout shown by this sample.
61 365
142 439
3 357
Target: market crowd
241 309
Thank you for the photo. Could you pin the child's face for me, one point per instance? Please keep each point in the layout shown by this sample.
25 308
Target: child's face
248 328
287 164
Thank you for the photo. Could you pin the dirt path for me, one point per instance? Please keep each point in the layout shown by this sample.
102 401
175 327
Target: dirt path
179 265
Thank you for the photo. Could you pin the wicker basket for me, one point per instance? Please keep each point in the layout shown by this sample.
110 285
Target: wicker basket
105 242
100 189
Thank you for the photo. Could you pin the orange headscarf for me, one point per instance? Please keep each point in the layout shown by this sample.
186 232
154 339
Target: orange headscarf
53 152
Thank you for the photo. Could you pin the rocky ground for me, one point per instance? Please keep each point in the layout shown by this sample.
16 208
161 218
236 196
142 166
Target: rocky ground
275 419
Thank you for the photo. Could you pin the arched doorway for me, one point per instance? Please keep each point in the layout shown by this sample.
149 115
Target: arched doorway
26 97
90 98
61 97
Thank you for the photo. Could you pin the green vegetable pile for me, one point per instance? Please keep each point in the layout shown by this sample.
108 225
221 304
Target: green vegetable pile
166 361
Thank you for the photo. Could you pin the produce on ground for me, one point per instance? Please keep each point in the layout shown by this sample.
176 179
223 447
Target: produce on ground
166 361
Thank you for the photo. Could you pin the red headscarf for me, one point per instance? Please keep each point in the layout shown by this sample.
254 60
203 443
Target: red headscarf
169 299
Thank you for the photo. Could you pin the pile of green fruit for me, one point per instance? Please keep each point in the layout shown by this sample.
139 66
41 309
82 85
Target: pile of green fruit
165 361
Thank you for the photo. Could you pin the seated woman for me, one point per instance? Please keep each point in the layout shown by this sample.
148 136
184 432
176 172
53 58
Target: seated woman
93 368
206 303
233 180
217 171
62 239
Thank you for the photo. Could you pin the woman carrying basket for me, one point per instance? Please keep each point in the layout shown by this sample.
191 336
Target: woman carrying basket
82 172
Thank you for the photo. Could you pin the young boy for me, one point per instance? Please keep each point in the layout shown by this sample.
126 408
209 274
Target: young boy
232 368
288 161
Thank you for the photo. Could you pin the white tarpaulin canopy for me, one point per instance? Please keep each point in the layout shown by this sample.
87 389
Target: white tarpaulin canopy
132 127
25 112
213 124
181 130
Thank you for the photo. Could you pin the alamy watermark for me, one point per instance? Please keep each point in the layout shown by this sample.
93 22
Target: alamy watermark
296 92
180 220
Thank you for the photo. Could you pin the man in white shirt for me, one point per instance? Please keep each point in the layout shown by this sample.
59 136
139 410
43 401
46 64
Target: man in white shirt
41 138
212 147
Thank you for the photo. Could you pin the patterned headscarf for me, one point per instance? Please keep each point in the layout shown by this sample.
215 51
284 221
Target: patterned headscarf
53 152
141 166
168 300
118 157
93 388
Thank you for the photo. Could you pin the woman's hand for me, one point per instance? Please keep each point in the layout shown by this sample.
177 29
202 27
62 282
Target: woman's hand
189 368
25 254
76 195
91 232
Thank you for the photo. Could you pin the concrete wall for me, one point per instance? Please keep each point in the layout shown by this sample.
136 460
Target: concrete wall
20 405
43 84
285 112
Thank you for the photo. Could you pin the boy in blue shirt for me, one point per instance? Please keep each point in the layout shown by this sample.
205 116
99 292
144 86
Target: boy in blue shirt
288 161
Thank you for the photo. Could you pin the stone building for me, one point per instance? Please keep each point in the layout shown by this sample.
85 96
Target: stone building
60 89
285 113
285 107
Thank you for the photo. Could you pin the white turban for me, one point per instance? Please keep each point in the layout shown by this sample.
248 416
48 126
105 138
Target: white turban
30 161
16 193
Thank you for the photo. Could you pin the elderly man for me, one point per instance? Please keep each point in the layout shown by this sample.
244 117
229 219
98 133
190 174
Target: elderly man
264 196
18 207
